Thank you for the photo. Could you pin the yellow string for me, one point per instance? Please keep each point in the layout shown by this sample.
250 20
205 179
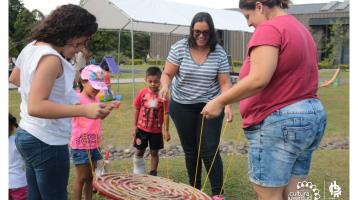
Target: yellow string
197 160
229 165
165 128
216 152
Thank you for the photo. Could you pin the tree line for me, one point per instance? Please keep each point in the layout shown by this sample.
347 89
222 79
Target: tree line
21 20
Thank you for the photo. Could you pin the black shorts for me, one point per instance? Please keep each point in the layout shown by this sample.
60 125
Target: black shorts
142 138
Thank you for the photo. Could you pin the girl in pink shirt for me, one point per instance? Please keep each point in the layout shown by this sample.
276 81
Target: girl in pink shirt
86 133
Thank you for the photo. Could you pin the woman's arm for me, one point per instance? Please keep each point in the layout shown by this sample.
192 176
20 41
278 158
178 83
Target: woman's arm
225 85
15 76
263 62
165 80
48 69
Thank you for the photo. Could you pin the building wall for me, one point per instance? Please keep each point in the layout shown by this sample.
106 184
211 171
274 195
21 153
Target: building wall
232 43
320 33
160 44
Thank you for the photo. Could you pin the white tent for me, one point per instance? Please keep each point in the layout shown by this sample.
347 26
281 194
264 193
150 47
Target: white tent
159 16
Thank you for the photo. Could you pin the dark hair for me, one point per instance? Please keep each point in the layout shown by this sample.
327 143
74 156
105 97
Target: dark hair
63 23
79 83
203 17
250 4
153 71
105 68
12 121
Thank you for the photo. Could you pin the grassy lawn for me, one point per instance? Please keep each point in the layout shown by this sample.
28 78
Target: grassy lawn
327 165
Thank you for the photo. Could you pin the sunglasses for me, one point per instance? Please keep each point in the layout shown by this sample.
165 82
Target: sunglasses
205 33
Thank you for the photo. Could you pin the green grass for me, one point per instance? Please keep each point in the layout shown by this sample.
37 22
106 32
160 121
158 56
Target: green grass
117 126
327 165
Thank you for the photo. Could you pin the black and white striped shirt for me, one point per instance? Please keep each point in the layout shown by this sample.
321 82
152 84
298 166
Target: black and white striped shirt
196 83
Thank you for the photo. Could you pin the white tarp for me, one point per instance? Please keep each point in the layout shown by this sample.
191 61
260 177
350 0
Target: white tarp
159 16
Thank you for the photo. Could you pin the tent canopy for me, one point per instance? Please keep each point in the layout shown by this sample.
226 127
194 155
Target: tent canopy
159 16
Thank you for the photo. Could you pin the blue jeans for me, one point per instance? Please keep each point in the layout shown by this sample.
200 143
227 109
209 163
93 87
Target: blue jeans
281 146
47 167
81 156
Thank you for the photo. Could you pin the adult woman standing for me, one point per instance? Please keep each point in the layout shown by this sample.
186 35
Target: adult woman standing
283 118
45 77
198 69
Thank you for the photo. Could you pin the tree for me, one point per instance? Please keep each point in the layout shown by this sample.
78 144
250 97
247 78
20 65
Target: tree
15 7
106 43
337 38
21 21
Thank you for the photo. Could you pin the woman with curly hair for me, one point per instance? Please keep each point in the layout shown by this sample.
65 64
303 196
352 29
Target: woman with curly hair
48 100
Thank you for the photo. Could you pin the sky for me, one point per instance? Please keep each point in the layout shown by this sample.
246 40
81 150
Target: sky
48 5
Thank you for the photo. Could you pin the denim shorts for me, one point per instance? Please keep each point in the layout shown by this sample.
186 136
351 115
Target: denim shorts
80 156
281 146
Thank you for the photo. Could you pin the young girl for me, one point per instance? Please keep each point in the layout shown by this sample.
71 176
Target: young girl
17 174
48 102
86 133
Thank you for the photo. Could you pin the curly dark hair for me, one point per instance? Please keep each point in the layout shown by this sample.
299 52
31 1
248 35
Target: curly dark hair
203 17
63 23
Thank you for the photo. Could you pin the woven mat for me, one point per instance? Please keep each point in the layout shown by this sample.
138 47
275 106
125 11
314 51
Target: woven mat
124 186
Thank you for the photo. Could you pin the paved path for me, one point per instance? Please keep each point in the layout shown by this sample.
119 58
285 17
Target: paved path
113 81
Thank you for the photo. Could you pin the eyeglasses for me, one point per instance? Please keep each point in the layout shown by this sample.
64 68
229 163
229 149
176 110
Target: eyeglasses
205 33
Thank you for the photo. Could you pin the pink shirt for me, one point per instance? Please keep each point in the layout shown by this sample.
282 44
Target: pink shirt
296 75
150 106
86 133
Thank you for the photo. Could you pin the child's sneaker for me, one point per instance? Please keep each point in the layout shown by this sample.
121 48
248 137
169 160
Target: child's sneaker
218 197
138 165
153 173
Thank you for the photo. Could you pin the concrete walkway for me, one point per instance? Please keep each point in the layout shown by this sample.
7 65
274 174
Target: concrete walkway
113 81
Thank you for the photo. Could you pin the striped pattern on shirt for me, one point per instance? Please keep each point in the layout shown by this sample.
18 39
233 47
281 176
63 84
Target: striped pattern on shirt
196 83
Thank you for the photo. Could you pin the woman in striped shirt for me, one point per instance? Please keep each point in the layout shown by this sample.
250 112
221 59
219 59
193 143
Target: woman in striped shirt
197 71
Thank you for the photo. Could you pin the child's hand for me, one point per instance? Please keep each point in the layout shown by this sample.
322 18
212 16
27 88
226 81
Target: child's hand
134 131
115 104
167 136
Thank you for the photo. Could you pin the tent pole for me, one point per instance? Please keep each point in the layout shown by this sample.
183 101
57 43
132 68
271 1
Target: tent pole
132 47
119 62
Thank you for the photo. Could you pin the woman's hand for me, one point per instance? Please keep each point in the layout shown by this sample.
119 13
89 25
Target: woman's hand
228 113
163 93
213 109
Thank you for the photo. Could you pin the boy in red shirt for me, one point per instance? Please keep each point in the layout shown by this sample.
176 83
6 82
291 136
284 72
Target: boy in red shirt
148 122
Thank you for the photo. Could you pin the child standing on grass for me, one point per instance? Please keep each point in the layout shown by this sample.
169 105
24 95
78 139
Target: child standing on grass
17 173
148 122
86 133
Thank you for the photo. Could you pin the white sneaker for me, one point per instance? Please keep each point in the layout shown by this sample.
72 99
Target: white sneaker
138 165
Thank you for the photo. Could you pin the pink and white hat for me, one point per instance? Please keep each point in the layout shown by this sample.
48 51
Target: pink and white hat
95 76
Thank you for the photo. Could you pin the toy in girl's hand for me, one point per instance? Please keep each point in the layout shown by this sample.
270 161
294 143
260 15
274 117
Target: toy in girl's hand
103 98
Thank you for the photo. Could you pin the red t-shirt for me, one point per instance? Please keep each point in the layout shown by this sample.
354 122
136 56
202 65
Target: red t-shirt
107 78
296 75
150 106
